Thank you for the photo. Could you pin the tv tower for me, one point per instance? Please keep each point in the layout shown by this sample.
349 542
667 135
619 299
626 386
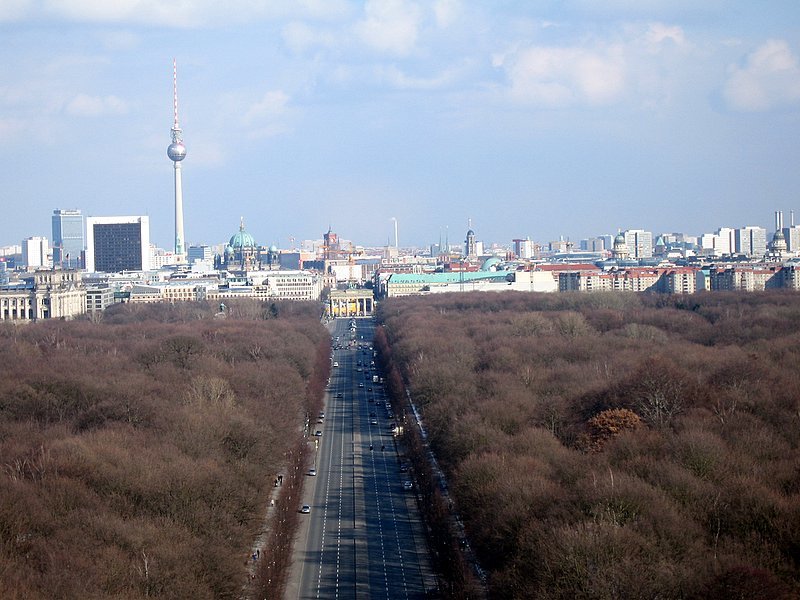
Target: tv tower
177 152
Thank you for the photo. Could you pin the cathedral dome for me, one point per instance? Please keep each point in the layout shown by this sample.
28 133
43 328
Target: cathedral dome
242 239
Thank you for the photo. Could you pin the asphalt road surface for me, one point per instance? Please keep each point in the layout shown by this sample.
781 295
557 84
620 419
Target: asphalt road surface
363 537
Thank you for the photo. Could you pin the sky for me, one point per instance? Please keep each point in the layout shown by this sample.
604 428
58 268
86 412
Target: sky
540 119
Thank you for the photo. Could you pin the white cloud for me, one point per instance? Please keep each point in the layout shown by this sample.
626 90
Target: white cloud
565 76
268 116
400 80
271 104
300 37
447 12
658 33
119 40
770 78
13 10
390 26
83 105
183 13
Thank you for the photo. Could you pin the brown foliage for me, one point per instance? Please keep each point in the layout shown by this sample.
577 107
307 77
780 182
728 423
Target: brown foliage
693 402
136 453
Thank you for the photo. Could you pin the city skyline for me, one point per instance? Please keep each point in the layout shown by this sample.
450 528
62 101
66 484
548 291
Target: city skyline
567 120
451 239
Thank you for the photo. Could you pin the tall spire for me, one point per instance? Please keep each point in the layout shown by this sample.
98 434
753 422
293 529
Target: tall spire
176 152
175 91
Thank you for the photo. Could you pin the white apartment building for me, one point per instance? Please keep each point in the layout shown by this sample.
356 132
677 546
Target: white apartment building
751 241
792 235
35 252
639 242
523 248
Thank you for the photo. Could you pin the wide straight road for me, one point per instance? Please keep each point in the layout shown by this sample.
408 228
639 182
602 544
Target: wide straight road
363 537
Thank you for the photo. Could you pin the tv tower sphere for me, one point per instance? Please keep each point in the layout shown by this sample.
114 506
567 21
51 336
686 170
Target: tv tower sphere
176 151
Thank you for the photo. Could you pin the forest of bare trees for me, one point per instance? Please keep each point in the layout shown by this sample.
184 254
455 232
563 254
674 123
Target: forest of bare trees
137 453
613 445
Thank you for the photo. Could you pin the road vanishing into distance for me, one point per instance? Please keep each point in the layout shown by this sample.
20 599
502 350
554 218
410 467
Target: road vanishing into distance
363 536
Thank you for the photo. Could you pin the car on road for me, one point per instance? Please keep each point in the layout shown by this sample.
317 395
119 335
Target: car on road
312 472
374 421
305 509
408 485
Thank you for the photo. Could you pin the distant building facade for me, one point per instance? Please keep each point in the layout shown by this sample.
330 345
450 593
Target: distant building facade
524 248
35 252
117 244
200 253
50 294
751 241
639 242
68 238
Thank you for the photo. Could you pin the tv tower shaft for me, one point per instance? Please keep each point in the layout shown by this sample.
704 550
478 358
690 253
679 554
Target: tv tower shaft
176 152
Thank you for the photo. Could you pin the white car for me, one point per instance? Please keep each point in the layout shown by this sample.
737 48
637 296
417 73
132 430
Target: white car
305 509
312 472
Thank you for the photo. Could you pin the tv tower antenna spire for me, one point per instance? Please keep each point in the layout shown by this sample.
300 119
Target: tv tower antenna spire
176 152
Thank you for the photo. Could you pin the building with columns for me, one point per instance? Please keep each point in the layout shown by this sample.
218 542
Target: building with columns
51 294
351 303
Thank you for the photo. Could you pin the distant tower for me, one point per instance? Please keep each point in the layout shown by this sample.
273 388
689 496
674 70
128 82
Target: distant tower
177 152
470 248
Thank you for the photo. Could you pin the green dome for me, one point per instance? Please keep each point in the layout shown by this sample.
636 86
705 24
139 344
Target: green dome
242 239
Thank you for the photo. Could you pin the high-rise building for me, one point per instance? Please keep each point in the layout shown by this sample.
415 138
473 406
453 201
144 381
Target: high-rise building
751 240
595 244
792 235
68 242
639 242
176 152
523 248
115 244
35 251
202 252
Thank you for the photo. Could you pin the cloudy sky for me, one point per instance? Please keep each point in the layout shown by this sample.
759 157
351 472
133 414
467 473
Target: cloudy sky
532 118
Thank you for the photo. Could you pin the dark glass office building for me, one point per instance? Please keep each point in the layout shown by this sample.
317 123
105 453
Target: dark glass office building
116 244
